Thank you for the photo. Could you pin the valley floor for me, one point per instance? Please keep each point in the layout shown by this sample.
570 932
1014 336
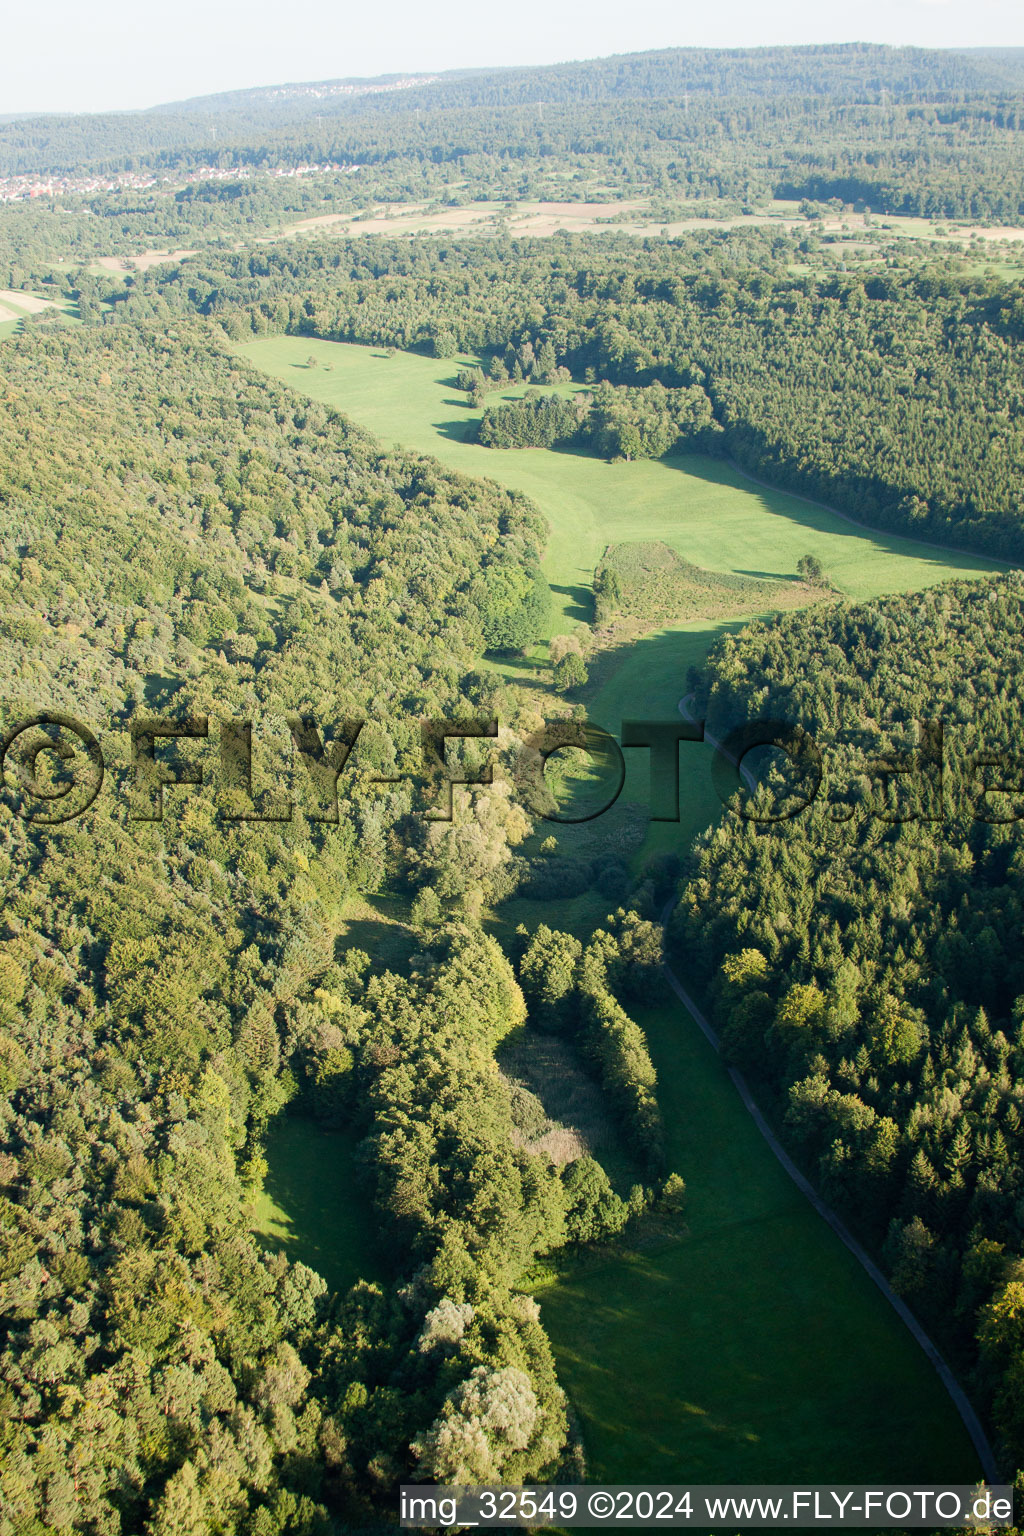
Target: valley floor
750 1347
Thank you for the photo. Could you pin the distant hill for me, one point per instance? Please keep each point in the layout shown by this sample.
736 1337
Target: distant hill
303 94
293 121
852 71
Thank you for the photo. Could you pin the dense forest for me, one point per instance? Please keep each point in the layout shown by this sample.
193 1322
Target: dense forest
184 540
894 130
616 421
864 955
895 395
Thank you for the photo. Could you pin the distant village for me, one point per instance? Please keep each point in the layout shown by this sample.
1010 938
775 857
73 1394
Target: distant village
343 88
16 189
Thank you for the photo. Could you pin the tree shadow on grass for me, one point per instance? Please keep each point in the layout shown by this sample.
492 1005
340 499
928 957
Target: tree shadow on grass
526 669
517 660
582 602
322 1213
389 945
160 688
455 431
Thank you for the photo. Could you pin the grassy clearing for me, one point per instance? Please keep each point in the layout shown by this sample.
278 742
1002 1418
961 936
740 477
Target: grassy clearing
752 1347
657 586
749 1347
380 926
312 1208
698 506
575 1113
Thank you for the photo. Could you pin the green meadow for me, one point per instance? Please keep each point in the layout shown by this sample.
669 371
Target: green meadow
749 1346
752 1347
697 505
311 1208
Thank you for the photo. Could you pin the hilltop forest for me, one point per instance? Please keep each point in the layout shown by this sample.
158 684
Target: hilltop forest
891 130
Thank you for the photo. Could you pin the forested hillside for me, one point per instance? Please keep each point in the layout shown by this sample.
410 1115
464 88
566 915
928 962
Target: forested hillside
864 956
845 71
895 395
901 130
181 537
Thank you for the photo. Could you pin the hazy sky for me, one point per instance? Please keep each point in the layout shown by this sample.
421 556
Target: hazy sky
109 54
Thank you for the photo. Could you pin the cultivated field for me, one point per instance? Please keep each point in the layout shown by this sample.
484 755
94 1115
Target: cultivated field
15 306
140 262
634 216
23 303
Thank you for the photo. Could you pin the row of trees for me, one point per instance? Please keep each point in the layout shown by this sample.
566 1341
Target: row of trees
574 991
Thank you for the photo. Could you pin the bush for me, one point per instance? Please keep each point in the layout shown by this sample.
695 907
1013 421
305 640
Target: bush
592 1208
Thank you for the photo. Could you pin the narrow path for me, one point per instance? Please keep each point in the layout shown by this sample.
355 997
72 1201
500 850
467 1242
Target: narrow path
745 773
890 533
960 1400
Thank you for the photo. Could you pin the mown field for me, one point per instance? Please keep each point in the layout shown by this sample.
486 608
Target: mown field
695 504
706 511
751 1347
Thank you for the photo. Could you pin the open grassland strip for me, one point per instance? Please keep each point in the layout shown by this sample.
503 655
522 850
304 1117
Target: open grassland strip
701 507
312 1208
855 522
752 1346
959 1398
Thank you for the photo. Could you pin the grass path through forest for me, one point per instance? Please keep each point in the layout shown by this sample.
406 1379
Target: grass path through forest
957 1395
751 1347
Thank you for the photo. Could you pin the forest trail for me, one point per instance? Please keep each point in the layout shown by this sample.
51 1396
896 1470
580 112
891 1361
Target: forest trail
959 1398
687 714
